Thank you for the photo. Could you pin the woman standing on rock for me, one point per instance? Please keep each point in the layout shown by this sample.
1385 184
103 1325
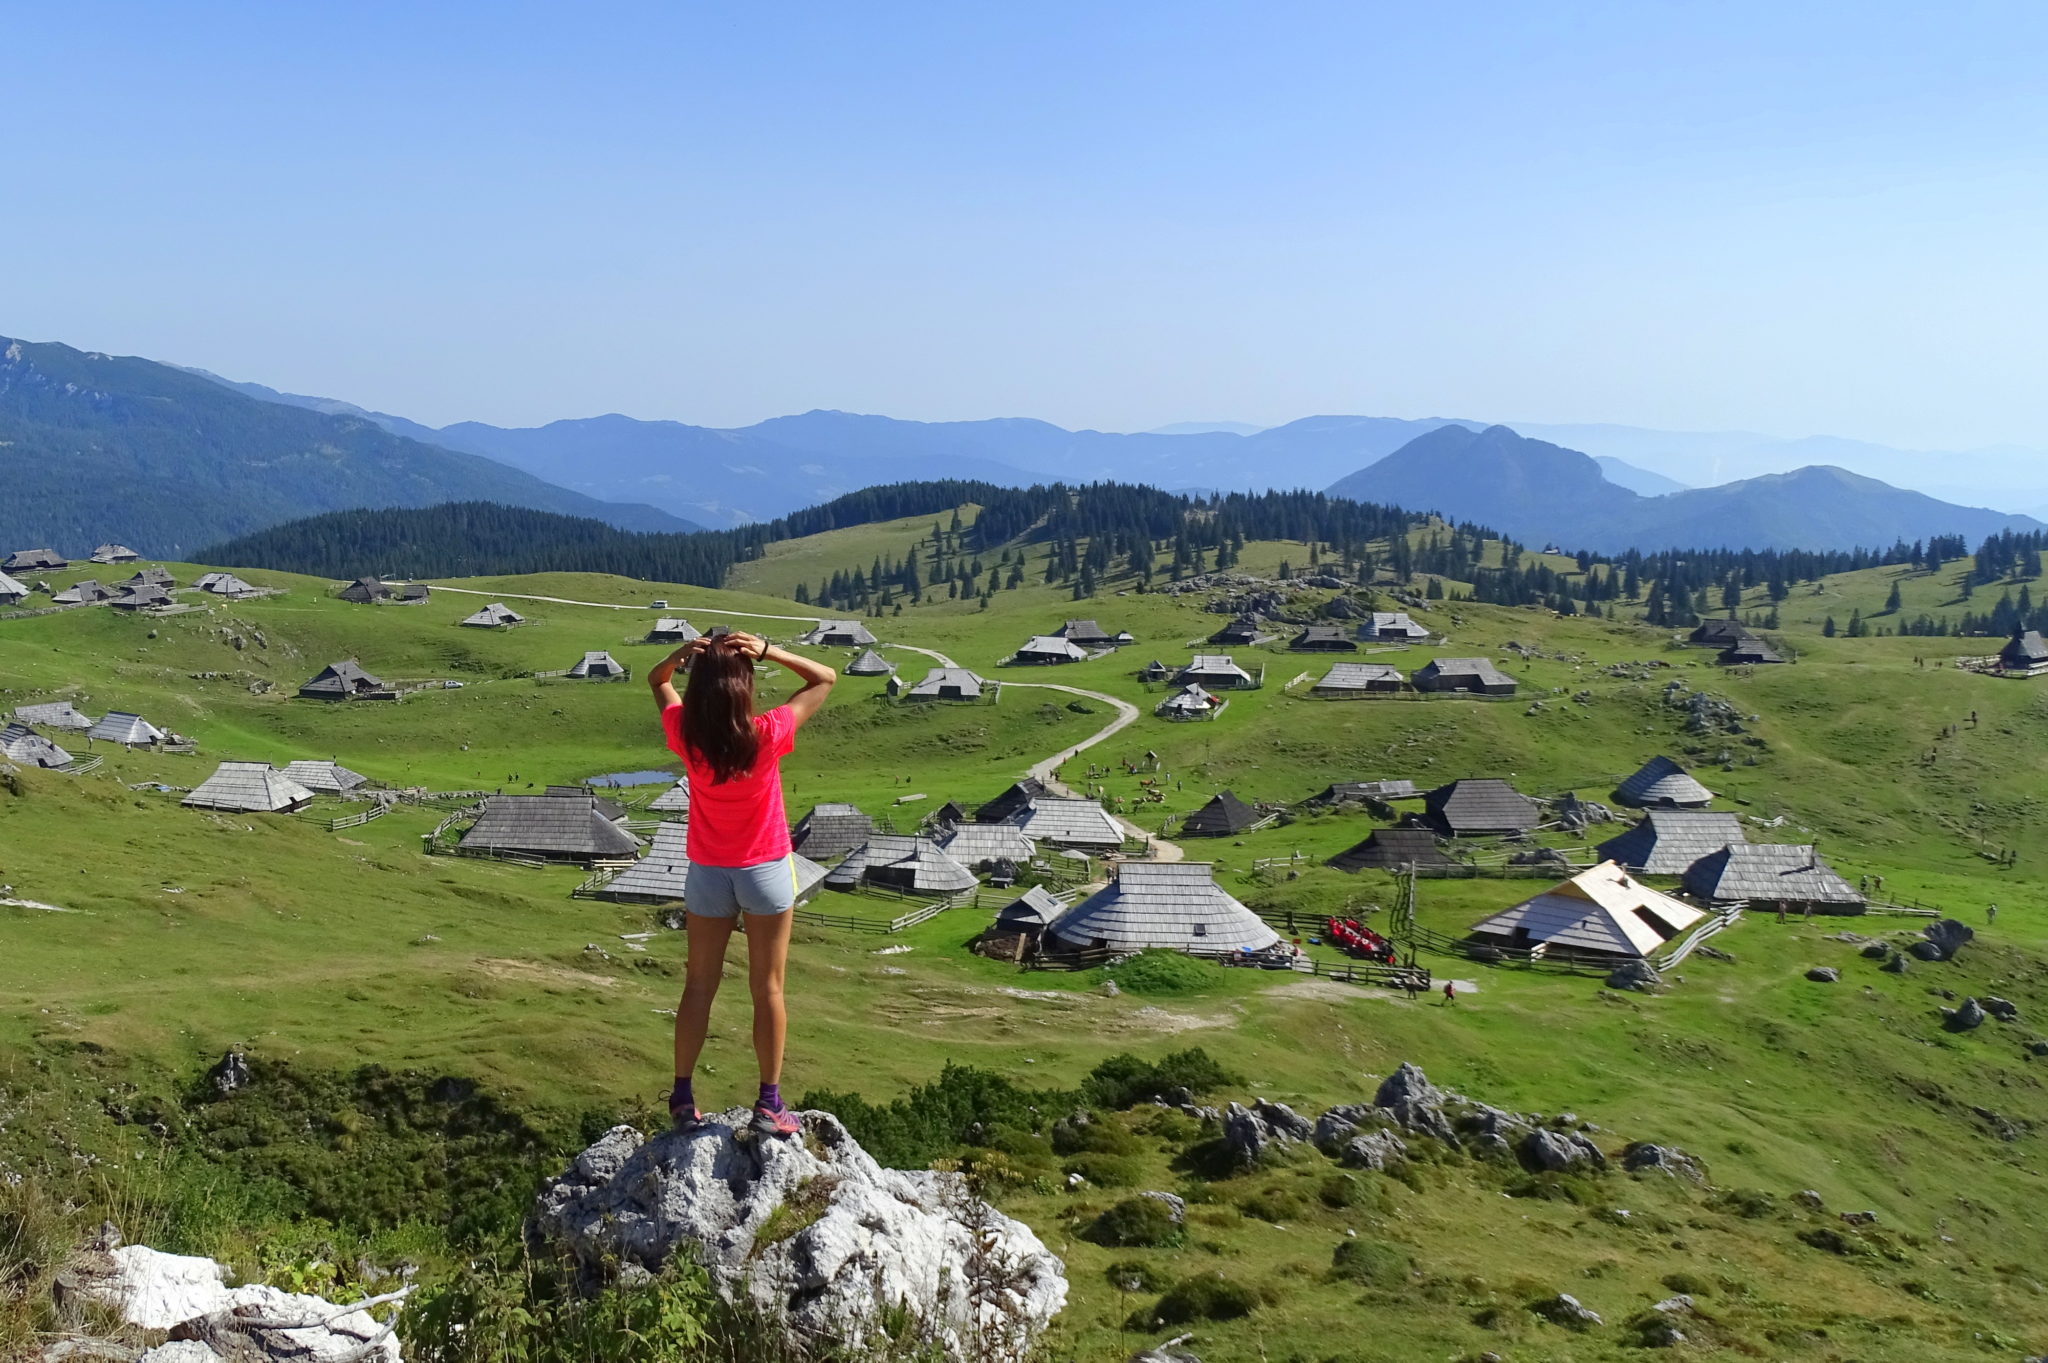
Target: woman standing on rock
738 844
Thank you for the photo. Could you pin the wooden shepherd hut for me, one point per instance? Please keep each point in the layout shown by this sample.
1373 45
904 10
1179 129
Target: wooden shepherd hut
1661 783
249 788
1478 808
554 827
1604 912
831 830
1223 816
1471 676
19 743
1772 875
1173 905
346 680
1669 841
1391 849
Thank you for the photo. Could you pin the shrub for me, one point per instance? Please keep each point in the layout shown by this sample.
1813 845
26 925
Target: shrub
1749 1203
1125 1080
1106 1171
1087 1133
1691 1284
1341 1190
1206 1296
1163 972
1273 1204
1371 1262
1134 1222
1134 1275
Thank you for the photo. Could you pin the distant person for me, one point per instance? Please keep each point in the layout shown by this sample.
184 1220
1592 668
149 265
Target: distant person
1991 914
738 845
1450 992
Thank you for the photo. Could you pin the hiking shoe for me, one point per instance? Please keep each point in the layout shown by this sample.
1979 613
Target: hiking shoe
687 1117
778 1122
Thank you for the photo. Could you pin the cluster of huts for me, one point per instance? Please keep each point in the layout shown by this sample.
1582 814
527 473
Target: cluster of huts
1378 627
28 736
1074 641
1604 909
148 589
1439 676
375 591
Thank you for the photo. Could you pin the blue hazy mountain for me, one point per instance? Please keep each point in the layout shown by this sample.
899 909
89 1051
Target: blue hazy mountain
1625 474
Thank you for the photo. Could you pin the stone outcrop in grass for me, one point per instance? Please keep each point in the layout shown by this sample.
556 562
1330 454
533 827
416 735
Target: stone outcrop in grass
810 1231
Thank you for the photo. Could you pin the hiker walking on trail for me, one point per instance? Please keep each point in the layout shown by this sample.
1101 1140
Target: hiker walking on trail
738 844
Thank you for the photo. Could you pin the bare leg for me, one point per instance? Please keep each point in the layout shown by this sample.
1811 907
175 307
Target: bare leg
767 954
701 970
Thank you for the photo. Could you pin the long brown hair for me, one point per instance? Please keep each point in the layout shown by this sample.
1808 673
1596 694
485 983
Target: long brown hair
718 711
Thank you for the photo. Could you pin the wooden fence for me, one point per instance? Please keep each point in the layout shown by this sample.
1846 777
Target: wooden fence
1719 923
357 819
82 765
1346 971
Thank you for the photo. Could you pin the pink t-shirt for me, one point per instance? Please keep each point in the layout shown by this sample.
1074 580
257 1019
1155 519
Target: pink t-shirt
738 822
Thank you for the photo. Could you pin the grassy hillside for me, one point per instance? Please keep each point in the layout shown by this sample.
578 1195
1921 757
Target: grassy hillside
190 933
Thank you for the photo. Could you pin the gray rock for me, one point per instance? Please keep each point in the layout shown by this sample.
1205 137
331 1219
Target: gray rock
1948 936
1566 1310
230 1073
1414 1103
1263 1129
1176 1206
1672 1306
2037 1048
1169 1352
1897 965
1877 951
1373 1150
1964 1017
1642 1157
1824 974
1859 1218
1928 951
1559 1151
2002 1009
848 1238
1809 1198
1662 1334
1638 975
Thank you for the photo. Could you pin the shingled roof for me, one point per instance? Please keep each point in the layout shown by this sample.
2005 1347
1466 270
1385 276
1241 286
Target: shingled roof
1662 782
341 681
1242 630
11 591
837 634
119 726
981 845
1323 639
1010 801
870 664
54 714
673 629
2024 651
1718 633
1604 910
83 592
1364 792
19 743
598 663
324 777
1176 905
1068 823
493 616
569 827
1479 806
1050 648
1668 841
902 862
663 874
1748 651
1084 632
674 800
114 553
1463 674
1354 678
225 584
249 788
35 560
1788 873
1190 702
365 589
1391 849
947 683
137 596
1031 911
1217 671
831 830
1221 817
1392 625
153 575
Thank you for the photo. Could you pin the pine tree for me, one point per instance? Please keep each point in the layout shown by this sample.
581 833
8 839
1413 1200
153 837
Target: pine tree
1827 628
1893 602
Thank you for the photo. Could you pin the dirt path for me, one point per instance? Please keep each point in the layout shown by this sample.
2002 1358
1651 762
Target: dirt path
615 606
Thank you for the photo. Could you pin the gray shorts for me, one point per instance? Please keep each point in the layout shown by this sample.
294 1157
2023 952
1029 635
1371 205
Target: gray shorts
722 891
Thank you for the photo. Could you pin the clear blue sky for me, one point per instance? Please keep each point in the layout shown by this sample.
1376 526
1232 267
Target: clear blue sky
1783 217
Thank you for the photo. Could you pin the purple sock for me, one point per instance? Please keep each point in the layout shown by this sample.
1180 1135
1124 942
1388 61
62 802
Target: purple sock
771 1097
680 1096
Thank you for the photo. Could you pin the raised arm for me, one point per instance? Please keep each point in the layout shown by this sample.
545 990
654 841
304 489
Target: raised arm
660 677
818 678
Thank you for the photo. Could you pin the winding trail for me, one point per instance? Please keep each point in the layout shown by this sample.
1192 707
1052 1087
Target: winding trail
1044 771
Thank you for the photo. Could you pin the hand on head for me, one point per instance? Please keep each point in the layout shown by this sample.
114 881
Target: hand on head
750 644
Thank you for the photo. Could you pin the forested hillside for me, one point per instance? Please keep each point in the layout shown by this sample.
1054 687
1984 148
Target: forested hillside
97 447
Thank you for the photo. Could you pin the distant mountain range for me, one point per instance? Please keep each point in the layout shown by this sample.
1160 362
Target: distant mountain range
98 447
1542 493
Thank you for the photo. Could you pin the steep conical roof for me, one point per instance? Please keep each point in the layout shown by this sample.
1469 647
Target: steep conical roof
248 788
1224 815
1391 849
19 743
870 664
1661 781
1177 905
118 726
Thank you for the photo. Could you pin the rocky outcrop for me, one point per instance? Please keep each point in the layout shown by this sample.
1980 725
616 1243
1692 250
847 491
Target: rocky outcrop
210 1321
1557 1152
1641 1157
230 1074
1947 937
1967 1016
1897 965
811 1231
2003 1009
1566 1310
1637 975
1824 974
1254 1133
1356 1134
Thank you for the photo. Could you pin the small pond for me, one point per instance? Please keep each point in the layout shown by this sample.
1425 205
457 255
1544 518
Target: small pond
632 778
